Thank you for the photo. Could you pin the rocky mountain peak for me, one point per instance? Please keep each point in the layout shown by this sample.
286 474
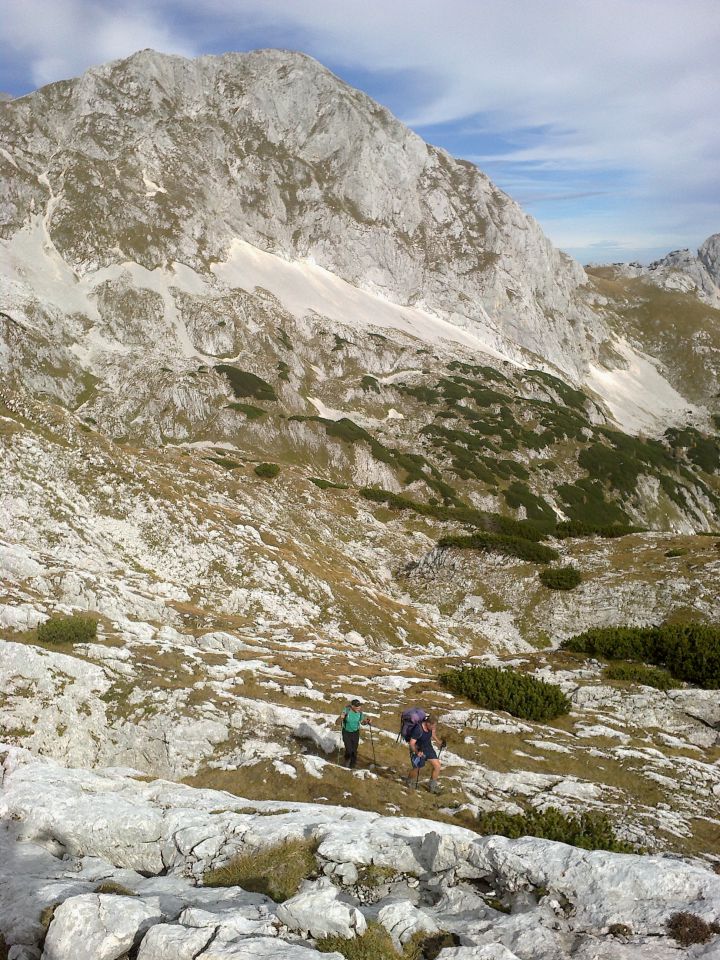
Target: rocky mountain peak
172 160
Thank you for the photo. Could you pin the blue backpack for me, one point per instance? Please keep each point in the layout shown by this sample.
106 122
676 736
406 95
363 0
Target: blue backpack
411 718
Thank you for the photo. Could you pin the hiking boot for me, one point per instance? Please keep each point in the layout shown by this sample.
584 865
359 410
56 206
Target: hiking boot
434 786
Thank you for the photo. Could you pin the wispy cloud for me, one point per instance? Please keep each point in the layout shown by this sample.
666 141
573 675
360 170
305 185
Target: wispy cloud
621 90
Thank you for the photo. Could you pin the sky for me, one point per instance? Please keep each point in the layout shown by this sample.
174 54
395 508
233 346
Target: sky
600 117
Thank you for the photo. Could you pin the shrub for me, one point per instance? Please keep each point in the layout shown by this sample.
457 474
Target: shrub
508 546
676 552
619 930
267 470
245 384
517 693
690 651
561 578
73 629
590 831
689 928
276 871
327 484
639 673
250 411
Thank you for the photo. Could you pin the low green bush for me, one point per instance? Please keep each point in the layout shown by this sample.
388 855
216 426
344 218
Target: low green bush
250 411
246 384
561 578
276 871
640 673
689 651
517 693
73 629
507 546
267 470
590 831
327 484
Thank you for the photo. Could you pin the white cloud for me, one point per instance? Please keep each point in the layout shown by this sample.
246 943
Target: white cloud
62 38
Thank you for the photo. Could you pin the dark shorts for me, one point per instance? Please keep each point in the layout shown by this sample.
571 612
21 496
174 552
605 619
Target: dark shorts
428 753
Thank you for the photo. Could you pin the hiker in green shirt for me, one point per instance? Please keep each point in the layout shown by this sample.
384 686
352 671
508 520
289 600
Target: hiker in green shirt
351 719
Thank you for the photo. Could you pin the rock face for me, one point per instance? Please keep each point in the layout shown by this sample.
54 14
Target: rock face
171 160
560 901
688 272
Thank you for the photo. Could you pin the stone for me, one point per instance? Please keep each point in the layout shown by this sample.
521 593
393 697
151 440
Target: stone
318 911
98 927
402 920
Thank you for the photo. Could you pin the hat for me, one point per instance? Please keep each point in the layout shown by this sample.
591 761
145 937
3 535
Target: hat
356 703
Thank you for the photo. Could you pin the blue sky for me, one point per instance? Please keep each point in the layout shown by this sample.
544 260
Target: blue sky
601 117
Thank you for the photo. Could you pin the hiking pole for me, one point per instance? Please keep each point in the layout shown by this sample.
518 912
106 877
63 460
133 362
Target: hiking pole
372 744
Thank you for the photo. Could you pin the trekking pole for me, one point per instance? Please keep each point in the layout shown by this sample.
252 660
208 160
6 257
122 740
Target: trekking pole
372 744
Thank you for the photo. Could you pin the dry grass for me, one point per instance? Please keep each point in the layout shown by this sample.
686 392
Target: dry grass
276 871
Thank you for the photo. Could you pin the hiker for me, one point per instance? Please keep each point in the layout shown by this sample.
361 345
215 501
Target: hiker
420 740
351 719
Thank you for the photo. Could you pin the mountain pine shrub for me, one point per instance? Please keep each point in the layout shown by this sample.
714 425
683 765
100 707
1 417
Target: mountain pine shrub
64 630
277 871
638 673
689 651
517 693
588 830
267 470
561 578
507 546
246 384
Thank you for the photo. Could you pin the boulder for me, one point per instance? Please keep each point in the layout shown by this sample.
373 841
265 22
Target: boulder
318 911
98 927
402 920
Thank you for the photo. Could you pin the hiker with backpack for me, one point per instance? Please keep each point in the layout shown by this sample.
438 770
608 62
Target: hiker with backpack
352 718
419 730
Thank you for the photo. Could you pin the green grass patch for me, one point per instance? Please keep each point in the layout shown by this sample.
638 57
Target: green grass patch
64 630
276 871
590 831
516 693
246 384
561 578
267 471
641 673
689 651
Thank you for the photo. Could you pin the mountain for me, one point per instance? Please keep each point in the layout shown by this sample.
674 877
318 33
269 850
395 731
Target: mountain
296 408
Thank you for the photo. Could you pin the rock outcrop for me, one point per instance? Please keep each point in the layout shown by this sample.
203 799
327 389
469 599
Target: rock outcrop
72 891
